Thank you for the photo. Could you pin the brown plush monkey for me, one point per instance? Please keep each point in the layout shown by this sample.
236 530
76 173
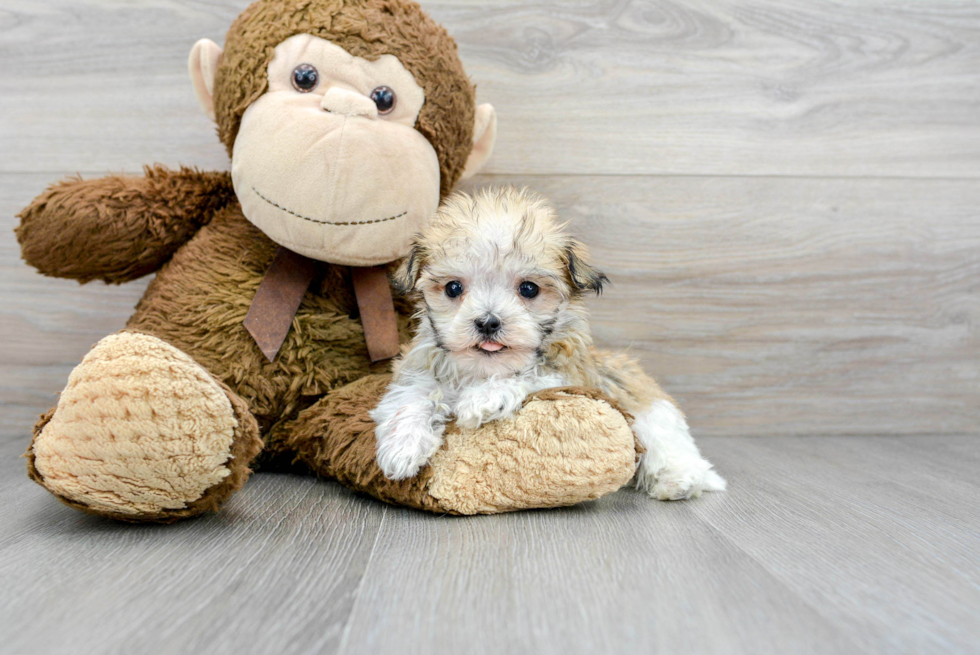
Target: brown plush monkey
346 121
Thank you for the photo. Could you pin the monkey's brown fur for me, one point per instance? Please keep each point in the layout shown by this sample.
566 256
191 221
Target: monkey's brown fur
118 229
188 226
365 29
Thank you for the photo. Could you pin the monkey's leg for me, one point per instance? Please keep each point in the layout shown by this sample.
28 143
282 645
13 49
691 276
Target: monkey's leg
564 446
143 433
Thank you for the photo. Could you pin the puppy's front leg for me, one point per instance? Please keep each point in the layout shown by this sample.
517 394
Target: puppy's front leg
489 400
410 421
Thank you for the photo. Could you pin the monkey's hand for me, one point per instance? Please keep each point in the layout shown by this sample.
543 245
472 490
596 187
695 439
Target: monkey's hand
116 228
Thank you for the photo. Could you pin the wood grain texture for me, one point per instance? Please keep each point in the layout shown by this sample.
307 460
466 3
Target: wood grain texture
767 306
276 572
774 306
821 545
883 556
785 197
878 535
806 87
621 575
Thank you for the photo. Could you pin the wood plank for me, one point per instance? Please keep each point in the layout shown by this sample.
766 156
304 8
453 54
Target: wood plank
723 87
773 306
276 571
881 542
767 306
623 574
879 546
47 321
808 552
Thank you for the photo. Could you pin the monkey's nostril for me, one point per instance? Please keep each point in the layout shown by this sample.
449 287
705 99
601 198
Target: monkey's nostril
487 325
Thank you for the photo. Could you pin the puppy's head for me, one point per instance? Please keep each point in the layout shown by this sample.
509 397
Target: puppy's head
498 279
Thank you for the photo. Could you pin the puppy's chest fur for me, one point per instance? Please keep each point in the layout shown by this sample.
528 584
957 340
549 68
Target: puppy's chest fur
565 363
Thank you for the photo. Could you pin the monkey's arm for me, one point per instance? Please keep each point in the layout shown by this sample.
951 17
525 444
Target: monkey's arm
117 228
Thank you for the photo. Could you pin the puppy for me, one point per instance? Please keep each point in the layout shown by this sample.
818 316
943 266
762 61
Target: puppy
500 291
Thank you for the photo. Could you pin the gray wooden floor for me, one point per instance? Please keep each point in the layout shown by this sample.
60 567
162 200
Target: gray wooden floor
786 196
823 545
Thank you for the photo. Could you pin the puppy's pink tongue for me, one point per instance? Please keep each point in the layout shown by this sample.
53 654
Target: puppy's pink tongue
490 346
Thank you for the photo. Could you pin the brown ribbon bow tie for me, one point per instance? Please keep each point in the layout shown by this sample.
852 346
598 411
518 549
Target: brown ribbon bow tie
282 289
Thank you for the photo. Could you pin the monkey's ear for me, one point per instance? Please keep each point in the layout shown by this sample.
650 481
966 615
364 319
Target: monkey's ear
203 65
407 274
583 274
484 136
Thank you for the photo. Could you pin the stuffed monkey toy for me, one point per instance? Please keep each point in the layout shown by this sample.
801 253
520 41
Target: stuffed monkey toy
262 341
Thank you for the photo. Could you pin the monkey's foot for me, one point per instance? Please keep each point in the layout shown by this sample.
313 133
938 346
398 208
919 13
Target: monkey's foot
563 447
143 433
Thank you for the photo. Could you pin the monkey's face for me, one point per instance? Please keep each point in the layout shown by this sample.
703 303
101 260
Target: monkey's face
328 161
346 122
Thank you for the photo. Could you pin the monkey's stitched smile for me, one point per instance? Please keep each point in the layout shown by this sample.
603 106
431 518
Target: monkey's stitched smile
314 220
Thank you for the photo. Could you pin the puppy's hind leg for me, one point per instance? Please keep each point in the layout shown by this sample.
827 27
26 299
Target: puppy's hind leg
672 468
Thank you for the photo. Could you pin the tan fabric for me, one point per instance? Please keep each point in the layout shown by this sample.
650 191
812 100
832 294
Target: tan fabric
199 300
368 29
335 438
484 138
324 181
202 64
139 428
564 447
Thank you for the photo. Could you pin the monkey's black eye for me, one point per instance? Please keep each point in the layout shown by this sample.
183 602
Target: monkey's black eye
454 289
528 289
384 98
305 78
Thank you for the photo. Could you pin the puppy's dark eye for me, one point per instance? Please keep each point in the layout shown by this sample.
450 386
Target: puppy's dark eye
384 98
528 289
454 289
305 78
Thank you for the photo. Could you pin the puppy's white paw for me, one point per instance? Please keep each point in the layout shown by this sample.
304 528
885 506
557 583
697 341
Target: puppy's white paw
672 468
680 480
405 446
488 402
472 415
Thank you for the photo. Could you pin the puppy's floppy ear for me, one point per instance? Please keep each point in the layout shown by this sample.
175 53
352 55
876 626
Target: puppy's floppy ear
583 275
407 273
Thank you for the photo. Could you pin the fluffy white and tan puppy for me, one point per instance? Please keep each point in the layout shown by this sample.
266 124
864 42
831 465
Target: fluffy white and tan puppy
500 290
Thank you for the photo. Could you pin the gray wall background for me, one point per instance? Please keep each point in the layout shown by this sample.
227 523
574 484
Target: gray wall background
785 194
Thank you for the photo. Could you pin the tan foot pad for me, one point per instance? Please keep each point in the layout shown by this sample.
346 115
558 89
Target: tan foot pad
141 428
565 446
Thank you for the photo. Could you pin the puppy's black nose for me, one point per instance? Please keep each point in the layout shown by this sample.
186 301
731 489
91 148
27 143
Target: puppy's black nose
488 325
